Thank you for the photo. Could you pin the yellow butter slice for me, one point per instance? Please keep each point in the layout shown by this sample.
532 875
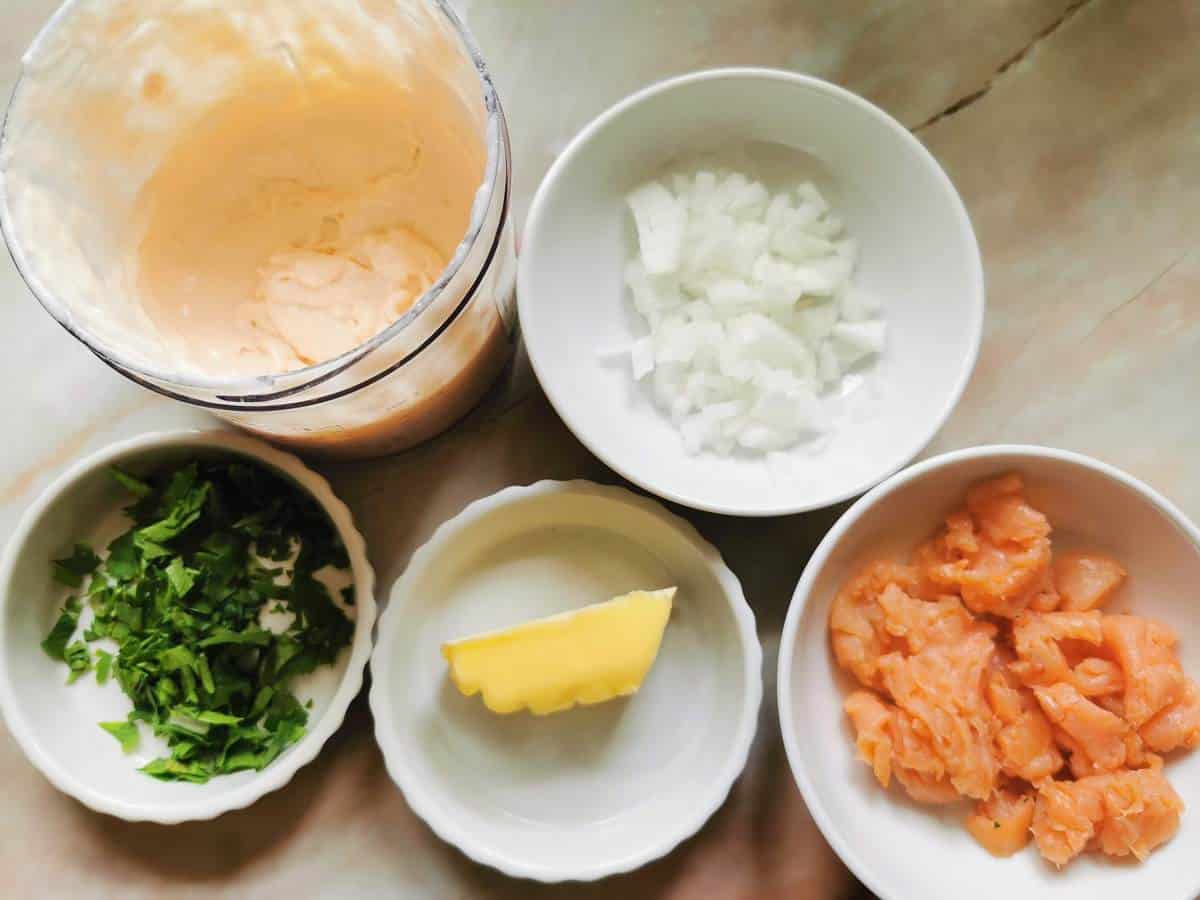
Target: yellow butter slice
591 655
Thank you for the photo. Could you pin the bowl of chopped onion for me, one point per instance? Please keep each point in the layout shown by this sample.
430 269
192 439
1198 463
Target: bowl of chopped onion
750 291
184 620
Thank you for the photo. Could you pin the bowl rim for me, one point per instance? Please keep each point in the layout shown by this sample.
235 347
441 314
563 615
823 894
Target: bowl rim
281 771
833 833
560 397
424 803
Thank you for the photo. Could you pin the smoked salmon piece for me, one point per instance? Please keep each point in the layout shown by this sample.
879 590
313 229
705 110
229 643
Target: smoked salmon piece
1097 677
893 743
872 721
917 764
1002 822
1142 812
1086 580
1042 595
1065 819
995 553
919 624
989 672
1145 650
1039 640
1024 741
1177 725
1129 813
857 625
942 688
1082 765
1090 729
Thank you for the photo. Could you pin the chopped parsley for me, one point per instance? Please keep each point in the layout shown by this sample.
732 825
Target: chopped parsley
72 569
78 659
56 641
104 661
180 593
126 734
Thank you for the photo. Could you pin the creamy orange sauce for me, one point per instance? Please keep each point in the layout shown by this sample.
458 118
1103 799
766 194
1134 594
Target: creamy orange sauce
301 215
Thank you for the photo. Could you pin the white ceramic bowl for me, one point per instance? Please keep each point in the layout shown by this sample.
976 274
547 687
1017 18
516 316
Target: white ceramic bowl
55 724
906 852
917 254
594 790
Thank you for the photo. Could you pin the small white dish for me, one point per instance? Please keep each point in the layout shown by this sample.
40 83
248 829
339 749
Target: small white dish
903 851
55 724
594 790
917 254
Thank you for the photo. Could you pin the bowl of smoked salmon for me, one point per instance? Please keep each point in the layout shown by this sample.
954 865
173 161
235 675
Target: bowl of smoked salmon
986 683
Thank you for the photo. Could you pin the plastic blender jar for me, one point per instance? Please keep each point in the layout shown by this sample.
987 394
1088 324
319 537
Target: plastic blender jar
410 382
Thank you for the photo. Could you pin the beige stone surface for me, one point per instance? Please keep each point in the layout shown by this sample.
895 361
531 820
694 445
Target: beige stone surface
1069 128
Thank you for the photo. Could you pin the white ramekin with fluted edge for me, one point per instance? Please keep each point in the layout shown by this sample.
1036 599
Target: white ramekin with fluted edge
56 724
595 790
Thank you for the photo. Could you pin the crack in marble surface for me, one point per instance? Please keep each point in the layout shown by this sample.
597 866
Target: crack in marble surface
1142 292
963 102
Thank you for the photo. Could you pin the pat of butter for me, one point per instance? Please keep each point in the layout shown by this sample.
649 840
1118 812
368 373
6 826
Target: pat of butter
591 655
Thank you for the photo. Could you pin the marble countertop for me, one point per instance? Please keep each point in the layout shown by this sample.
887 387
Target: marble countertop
1069 128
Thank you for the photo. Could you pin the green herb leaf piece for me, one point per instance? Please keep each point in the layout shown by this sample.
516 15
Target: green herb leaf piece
181 577
71 570
182 516
126 734
56 641
256 636
206 677
134 485
168 769
176 658
215 718
78 659
150 549
124 559
104 661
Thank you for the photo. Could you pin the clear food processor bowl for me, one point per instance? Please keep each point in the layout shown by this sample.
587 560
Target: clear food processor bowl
408 383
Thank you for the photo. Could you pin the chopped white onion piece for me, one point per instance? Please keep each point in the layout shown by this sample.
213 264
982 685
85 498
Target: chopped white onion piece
641 355
810 196
660 220
751 310
854 341
828 367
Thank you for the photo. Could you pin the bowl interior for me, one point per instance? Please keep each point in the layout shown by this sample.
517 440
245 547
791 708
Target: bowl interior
592 789
1087 508
917 254
58 722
